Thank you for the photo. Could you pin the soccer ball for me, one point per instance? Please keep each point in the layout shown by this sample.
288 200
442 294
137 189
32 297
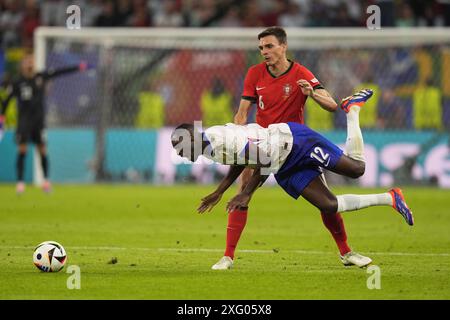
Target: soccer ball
49 256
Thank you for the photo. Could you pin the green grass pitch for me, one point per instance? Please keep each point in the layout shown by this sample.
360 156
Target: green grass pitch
164 249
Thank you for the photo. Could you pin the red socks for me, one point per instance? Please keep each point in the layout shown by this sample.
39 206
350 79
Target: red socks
238 218
236 223
335 225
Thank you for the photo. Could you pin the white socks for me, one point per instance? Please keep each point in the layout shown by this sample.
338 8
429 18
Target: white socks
354 146
350 202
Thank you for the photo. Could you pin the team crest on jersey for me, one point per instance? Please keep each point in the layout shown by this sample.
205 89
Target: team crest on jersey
287 89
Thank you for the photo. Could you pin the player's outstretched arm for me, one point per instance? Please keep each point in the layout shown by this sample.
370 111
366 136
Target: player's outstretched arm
10 90
212 199
53 73
3 107
243 198
2 121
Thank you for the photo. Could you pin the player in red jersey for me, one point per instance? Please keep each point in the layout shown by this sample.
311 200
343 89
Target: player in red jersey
280 87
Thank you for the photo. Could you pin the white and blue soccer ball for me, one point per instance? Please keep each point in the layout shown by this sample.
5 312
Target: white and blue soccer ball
49 256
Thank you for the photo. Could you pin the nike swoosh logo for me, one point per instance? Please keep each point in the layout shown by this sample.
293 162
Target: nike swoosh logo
259 88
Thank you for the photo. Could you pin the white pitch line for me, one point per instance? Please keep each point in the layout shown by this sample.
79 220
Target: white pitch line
306 252
106 248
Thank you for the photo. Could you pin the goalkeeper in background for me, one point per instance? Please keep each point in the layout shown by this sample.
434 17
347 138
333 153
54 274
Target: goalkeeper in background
29 90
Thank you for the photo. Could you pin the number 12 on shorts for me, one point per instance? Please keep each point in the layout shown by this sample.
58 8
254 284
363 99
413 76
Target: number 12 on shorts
321 156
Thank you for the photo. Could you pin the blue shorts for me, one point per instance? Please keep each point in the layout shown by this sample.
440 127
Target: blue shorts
310 153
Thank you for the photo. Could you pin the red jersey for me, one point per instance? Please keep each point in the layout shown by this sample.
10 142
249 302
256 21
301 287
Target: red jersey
279 99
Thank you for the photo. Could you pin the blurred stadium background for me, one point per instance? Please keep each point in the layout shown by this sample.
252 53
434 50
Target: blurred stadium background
159 63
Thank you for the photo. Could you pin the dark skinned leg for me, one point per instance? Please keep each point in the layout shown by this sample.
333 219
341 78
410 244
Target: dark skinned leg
318 194
349 167
335 225
322 198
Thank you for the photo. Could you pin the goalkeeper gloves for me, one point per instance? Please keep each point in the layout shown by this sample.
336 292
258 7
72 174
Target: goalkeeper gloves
84 65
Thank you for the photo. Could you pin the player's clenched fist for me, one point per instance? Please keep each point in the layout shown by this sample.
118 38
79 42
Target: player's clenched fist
306 87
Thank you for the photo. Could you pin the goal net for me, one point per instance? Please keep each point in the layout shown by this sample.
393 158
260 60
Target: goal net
113 122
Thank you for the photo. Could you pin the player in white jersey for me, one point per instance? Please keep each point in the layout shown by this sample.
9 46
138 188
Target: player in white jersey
294 153
231 143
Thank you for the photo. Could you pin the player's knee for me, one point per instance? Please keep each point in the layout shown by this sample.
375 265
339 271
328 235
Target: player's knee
361 168
358 169
329 206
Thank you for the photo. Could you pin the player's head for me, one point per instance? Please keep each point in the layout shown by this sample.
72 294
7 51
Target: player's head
273 45
187 141
27 66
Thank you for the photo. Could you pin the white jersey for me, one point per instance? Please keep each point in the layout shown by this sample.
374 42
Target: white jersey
229 142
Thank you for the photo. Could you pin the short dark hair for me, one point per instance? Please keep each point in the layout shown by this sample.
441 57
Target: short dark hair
187 126
278 32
